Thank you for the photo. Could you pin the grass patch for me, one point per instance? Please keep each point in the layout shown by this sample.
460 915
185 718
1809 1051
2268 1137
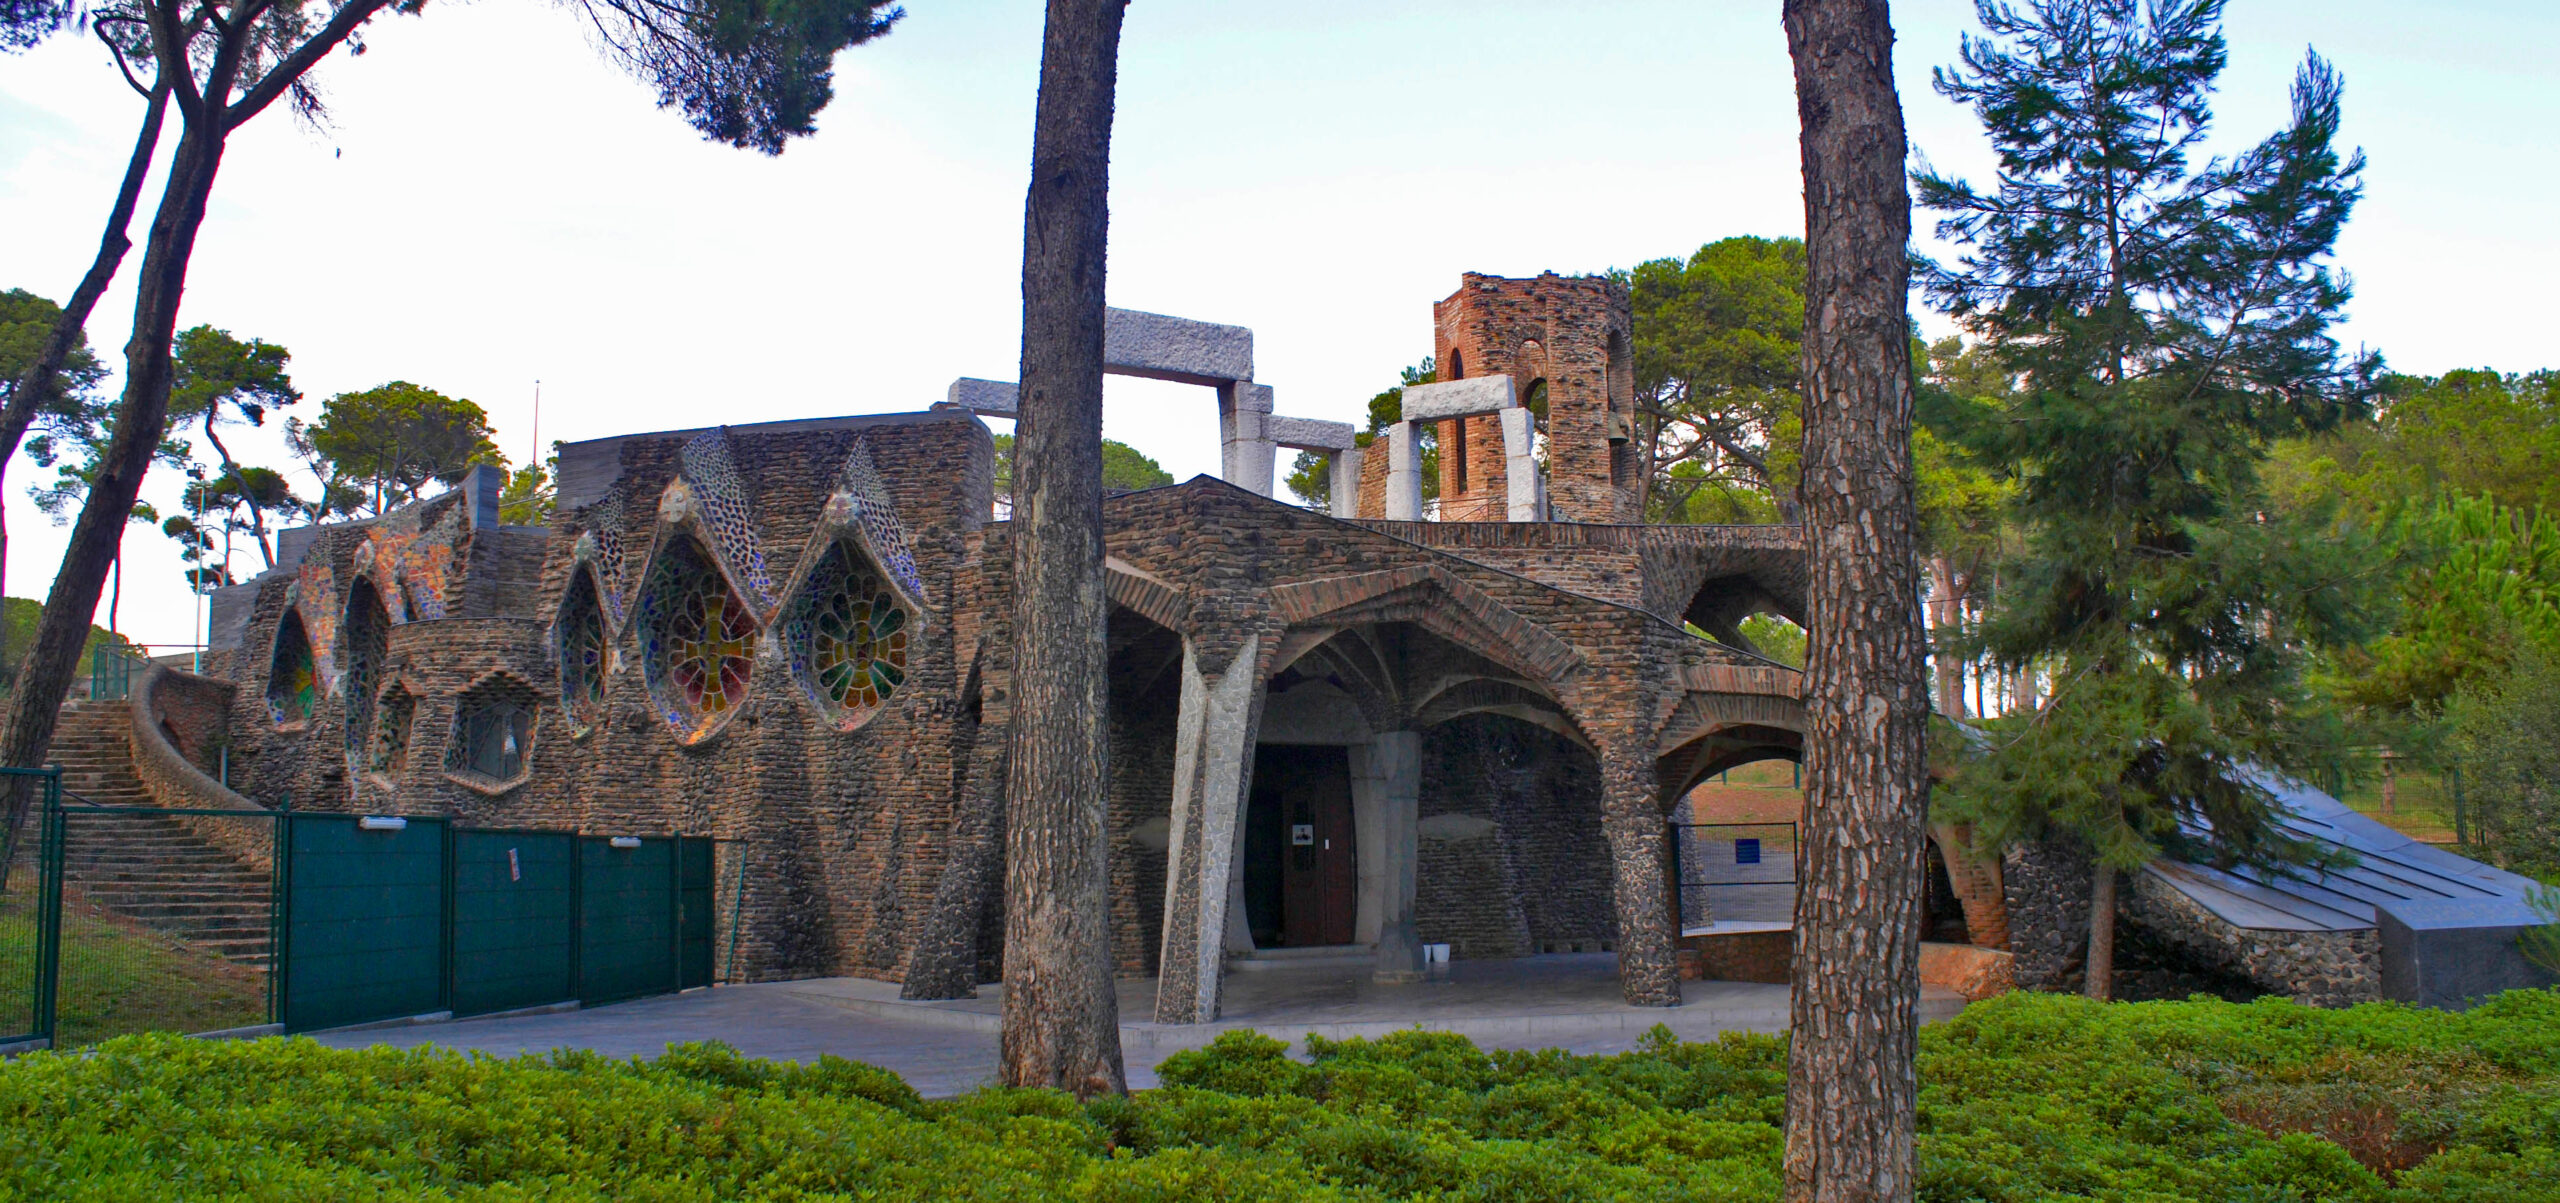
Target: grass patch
118 977
2027 1097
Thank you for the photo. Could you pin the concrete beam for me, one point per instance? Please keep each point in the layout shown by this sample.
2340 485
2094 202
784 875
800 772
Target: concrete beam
1310 434
1171 348
1459 398
995 398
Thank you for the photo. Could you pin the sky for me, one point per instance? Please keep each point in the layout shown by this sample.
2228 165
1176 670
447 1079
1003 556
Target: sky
491 204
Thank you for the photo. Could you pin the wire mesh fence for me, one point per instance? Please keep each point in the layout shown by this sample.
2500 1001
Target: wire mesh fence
1733 873
167 921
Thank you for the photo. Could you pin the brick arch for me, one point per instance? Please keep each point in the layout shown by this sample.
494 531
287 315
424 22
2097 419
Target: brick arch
1729 746
1511 699
1431 598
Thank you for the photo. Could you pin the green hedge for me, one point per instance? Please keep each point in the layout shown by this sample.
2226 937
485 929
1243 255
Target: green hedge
2025 1097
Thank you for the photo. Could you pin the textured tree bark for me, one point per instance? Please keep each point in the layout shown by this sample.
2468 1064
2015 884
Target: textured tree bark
1061 1018
142 418
2100 982
1851 1086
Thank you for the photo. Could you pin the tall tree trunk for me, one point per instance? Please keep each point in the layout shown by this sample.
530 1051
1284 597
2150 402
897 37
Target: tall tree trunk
2100 982
240 485
142 418
1061 1017
1946 619
1854 1011
34 390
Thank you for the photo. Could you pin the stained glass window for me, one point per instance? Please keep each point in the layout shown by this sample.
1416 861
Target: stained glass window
848 636
697 640
293 677
391 731
367 630
582 653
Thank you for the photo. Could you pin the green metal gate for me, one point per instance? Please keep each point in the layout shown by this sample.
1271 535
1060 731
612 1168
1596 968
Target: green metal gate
627 904
515 910
365 922
695 917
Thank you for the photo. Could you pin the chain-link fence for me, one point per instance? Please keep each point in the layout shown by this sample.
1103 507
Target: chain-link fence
1735 873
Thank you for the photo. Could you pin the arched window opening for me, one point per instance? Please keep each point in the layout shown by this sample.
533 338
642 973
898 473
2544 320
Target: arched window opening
697 641
493 725
583 652
1457 365
848 637
293 675
366 630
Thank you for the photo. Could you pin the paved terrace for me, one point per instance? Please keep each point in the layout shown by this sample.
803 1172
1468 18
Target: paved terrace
1567 1001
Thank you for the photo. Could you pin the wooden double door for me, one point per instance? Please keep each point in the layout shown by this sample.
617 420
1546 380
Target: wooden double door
1301 870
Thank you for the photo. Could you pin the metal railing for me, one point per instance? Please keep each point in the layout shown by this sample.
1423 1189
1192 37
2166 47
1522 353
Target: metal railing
1734 872
112 672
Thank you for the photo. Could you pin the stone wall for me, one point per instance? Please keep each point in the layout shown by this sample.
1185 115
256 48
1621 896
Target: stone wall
2320 968
2046 888
1513 861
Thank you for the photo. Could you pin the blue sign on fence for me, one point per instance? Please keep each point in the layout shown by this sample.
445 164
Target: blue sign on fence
1746 852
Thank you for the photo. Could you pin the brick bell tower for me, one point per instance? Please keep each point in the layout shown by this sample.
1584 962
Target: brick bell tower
1565 343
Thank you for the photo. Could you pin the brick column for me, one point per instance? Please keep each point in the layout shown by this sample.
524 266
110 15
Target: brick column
1212 772
1648 964
1386 809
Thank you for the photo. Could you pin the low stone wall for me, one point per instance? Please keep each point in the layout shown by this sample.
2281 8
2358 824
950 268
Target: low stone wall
1764 956
2320 968
173 713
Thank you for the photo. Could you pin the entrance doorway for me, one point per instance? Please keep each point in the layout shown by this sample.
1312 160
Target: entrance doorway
1301 875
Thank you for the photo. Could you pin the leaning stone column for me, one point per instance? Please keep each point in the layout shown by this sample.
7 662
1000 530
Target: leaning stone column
1346 483
1404 474
1519 464
1212 769
1386 808
1648 958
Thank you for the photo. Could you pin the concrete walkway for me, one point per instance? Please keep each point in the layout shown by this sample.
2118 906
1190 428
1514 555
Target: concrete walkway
1560 1001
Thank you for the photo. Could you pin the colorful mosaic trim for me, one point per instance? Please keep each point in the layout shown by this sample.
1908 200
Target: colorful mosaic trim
876 517
697 640
584 652
604 545
314 595
720 501
848 635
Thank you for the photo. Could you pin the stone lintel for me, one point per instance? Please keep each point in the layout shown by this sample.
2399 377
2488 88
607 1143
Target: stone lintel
1459 398
1159 347
996 398
1309 434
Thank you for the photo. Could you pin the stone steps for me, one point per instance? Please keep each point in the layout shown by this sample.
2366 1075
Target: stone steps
152 869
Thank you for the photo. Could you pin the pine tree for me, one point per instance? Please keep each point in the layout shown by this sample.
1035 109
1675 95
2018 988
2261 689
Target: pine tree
2167 321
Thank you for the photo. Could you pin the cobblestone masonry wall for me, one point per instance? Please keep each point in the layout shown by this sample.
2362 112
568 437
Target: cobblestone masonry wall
2046 886
1512 860
2321 968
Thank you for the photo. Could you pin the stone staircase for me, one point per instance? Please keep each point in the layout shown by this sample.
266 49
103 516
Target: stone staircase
152 869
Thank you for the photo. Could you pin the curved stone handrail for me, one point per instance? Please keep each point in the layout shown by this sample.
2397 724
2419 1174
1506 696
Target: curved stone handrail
174 781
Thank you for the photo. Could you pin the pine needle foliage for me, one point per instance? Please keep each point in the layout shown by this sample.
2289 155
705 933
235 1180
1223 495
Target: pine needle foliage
2166 320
